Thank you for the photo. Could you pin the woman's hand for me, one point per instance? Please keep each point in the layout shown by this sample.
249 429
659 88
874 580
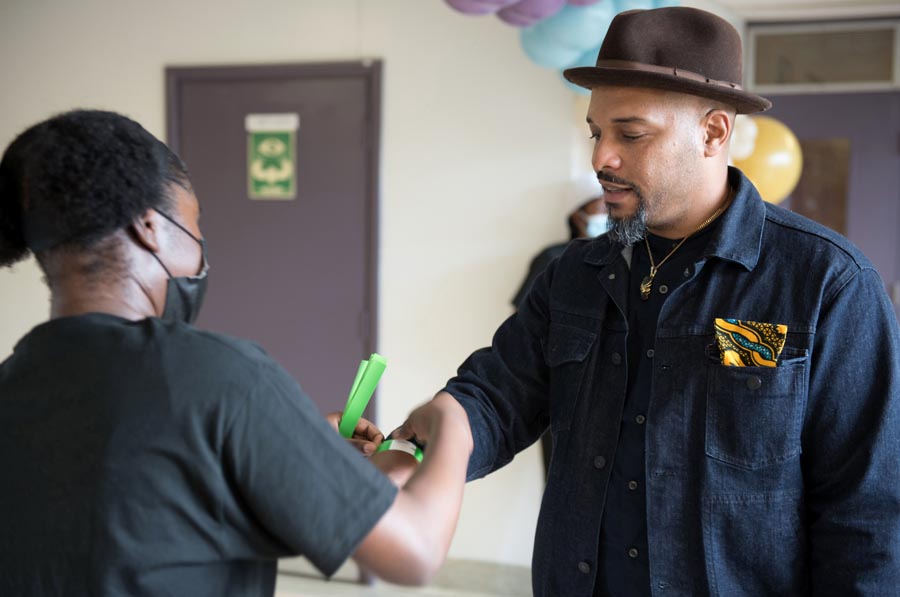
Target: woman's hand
366 436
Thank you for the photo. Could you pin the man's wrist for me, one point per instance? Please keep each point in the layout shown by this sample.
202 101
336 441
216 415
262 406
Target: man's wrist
451 418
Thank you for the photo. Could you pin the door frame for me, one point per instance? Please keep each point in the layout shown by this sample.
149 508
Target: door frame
370 72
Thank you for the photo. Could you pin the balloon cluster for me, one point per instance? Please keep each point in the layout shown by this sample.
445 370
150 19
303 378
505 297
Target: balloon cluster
519 13
558 34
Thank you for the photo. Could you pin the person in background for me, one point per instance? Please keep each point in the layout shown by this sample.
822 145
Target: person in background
143 456
721 375
588 220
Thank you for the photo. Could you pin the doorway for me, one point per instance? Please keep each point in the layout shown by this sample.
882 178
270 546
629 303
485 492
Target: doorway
284 160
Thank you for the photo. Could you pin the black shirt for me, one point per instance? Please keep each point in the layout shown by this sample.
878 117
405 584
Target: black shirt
623 556
151 458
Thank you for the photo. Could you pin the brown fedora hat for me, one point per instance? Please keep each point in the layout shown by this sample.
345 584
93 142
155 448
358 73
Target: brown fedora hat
676 49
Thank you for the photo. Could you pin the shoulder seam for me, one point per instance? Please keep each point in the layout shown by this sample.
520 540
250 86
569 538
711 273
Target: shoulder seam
770 217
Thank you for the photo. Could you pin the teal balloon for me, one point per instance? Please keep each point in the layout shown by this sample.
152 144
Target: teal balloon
562 39
636 4
546 53
589 58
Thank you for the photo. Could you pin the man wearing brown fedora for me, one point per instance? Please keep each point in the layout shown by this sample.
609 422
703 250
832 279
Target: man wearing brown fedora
721 376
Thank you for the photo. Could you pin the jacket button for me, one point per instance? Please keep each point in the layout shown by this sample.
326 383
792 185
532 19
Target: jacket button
599 462
650 353
616 358
632 553
754 383
663 289
632 485
584 567
640 419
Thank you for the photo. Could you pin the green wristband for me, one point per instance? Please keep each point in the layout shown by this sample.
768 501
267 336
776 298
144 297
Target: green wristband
361 391
403 446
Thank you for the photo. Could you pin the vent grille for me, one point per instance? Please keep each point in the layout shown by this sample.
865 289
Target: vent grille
826 57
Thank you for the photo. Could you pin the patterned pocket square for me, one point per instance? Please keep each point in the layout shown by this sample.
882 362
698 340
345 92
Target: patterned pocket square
749 343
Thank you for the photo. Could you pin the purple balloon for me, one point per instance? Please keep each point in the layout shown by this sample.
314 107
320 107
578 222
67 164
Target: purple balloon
479 7
528 12
583 2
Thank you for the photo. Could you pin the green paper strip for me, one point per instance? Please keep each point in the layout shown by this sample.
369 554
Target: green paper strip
403 446
359 376
367 377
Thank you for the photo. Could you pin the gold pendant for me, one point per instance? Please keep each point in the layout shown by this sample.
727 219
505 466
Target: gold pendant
646 286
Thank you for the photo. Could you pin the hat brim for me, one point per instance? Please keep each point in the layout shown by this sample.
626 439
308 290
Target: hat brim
593 76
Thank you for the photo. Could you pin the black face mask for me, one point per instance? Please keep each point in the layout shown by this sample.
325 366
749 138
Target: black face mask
184 294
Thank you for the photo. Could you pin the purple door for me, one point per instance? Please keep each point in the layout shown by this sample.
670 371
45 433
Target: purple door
290 216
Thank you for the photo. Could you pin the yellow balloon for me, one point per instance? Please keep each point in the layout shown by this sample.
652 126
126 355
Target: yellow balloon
776 162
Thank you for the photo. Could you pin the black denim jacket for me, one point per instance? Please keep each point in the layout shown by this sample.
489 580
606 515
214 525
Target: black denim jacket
760 481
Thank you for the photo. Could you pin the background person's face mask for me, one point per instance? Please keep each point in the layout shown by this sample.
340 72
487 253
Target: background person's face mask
596 224
184 294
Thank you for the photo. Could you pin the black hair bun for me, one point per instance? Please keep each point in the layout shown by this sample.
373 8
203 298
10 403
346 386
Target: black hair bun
82 175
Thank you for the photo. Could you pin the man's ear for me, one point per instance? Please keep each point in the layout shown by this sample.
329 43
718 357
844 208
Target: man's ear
146 229
718 124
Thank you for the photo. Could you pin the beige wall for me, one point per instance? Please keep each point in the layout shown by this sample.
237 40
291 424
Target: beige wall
478 148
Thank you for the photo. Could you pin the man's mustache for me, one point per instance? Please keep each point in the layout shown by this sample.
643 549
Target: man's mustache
605 177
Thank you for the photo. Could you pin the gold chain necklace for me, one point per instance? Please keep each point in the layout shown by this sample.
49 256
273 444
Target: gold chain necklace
647 282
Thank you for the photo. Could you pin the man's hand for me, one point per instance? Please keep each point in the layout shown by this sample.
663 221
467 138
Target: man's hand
421 426
366 437
426 420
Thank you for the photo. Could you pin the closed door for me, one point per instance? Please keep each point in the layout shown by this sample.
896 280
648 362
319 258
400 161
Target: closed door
284 162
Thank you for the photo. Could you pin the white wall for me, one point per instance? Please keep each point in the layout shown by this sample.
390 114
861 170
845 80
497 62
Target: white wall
475 154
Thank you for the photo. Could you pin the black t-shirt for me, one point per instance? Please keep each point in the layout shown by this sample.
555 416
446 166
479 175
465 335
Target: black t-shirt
152 458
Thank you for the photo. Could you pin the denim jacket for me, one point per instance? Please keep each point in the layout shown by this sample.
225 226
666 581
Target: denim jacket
760 480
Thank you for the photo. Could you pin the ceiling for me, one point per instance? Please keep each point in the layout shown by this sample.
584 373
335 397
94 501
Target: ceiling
811 10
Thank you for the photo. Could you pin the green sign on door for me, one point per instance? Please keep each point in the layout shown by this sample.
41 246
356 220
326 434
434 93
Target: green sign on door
272 155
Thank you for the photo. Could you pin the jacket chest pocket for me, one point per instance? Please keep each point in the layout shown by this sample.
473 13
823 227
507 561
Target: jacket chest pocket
754 415
565 353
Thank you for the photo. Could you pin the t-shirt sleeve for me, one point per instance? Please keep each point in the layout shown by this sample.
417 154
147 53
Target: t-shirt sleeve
301 480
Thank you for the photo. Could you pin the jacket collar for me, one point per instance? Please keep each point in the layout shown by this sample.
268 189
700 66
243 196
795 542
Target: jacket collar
738 237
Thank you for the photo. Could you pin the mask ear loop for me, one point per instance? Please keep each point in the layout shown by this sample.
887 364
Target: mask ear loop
183 229
199 241
163 265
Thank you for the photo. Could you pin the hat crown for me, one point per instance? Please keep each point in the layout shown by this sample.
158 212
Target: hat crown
673 49
676 37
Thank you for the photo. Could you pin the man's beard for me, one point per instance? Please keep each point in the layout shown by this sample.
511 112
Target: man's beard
630 229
